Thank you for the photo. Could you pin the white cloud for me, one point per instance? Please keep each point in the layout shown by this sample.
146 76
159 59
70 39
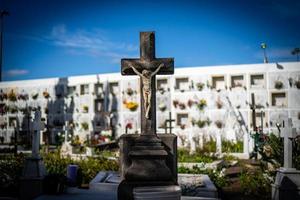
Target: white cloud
16 72
92 43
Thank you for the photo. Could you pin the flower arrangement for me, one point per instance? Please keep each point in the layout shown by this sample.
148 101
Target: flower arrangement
202 104
278 84
219 124
23 97
12 96
129 125
201 123
85 109
46 94
182 126
175 103
219 104
130 91
3 125
161 90
3 96
190 103
75 141
35 96
162 107
13 109
85 126
132 106
181 106
200 86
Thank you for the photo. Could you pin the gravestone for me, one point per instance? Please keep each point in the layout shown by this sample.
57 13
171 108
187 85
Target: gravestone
66 148
34 170
146 159
287 182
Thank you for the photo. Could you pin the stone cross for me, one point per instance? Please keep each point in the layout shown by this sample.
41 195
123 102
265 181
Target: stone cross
37 126
288 133
146 67
170 120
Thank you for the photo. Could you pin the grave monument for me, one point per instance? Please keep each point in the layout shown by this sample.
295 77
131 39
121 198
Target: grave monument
147 159
287 182
34 169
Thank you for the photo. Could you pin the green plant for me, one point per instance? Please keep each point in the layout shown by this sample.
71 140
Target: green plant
11 167
216 176
229 146
12 96
209 145
256 184
55 163
184 156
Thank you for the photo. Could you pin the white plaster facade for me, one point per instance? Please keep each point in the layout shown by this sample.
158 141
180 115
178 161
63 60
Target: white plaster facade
226 90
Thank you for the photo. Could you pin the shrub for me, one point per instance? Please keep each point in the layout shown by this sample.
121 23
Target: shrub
229 146
184 156
256 184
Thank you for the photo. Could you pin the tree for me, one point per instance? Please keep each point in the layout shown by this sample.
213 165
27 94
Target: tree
296 52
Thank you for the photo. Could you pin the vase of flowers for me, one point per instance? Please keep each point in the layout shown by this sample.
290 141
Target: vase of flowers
12 96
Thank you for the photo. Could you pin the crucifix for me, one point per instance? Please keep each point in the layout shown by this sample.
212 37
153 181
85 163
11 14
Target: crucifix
147 67
288 133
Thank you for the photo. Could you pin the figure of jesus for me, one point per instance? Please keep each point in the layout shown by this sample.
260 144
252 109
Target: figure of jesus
146 77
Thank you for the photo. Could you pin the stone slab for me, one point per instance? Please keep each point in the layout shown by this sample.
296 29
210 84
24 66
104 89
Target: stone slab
206 187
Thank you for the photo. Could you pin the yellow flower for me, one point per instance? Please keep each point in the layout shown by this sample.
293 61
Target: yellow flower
131 105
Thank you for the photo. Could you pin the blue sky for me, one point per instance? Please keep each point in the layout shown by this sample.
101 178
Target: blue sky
50 38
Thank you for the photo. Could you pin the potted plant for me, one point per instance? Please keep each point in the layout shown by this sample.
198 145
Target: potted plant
202 104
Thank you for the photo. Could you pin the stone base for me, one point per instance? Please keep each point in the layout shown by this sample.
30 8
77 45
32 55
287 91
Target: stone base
169 142
171 192
125 188
287 184
31 188
146 165
31 182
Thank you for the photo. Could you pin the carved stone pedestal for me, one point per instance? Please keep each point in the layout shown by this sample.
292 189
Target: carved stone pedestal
31 182
147 164
287 184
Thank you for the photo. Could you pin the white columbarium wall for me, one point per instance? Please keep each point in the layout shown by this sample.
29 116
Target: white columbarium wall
234 113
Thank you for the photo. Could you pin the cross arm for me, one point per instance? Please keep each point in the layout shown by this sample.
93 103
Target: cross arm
139 64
